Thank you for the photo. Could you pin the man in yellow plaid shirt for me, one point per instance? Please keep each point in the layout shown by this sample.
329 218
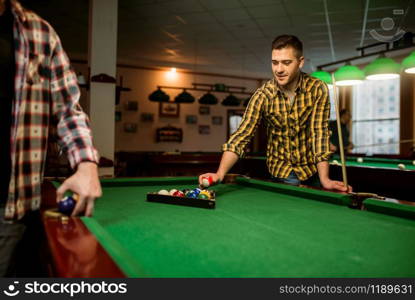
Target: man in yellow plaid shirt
295 108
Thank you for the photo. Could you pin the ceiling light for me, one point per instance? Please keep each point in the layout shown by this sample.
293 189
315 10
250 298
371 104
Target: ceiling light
382 68
231 100
208 98
184 97
349 75
159 96
322 75
408 63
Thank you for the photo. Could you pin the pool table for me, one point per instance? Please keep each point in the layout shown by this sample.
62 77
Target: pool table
374 175
379 175
257 229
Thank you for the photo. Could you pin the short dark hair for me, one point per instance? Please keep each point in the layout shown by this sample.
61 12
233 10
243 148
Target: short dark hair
283 41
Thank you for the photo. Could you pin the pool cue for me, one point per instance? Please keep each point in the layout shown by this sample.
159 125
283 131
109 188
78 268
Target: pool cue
339 130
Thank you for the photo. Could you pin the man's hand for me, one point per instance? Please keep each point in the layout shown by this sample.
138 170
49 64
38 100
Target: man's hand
334 185
85 183
215 177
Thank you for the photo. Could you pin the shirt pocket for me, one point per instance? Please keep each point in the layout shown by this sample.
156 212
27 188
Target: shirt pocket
276 121
304 115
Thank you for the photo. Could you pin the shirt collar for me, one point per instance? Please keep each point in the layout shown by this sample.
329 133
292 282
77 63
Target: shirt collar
18 10
300 88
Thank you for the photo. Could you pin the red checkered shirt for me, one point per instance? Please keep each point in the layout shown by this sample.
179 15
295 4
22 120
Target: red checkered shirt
45 88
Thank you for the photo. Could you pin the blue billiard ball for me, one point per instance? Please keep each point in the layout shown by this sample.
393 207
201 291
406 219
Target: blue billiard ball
191 194
66 205
196 191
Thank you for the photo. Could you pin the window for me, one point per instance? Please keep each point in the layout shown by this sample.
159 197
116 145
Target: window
376 109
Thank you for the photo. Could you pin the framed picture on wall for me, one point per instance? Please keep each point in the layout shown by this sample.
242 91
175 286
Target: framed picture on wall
169 134
167 109
204 110
204 129
217 120
147 117
131 105
191 119
130 127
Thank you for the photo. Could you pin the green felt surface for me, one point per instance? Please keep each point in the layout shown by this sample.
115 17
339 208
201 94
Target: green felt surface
256 230
377 162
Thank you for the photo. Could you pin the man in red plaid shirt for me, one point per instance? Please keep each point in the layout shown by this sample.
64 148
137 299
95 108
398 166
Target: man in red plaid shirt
37 84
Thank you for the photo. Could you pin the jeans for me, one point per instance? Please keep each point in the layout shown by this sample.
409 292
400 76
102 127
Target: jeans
21 246
10 236
293 180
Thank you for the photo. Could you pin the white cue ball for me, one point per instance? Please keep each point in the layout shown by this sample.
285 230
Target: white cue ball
335 162
401 167
172 191
205 182
163 192
413 162
359 159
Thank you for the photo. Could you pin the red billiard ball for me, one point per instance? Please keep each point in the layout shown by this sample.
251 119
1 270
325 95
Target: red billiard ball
66 205
207 181
178 194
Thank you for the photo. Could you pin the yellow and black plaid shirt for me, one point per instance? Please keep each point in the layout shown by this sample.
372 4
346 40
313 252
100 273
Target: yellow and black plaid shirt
298 134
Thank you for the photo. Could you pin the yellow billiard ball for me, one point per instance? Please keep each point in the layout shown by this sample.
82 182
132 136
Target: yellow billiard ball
359 159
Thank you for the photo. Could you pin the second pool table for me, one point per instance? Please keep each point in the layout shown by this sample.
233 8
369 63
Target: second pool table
374 175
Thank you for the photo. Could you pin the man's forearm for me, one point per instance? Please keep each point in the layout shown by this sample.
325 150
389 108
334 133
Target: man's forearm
228 160
323 170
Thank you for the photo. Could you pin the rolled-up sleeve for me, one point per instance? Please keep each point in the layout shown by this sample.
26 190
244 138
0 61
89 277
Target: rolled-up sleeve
250 120
73 128
320 123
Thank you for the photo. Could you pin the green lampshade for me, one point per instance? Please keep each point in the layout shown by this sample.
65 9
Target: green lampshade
382 68
322 75
408 64
349 75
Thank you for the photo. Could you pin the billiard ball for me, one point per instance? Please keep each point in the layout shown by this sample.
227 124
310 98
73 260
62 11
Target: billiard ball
359 159
163 192
66 205
172 191
191 194
207 181
401 167
335 162
413 162
205 192
178 194
203 196
196 191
